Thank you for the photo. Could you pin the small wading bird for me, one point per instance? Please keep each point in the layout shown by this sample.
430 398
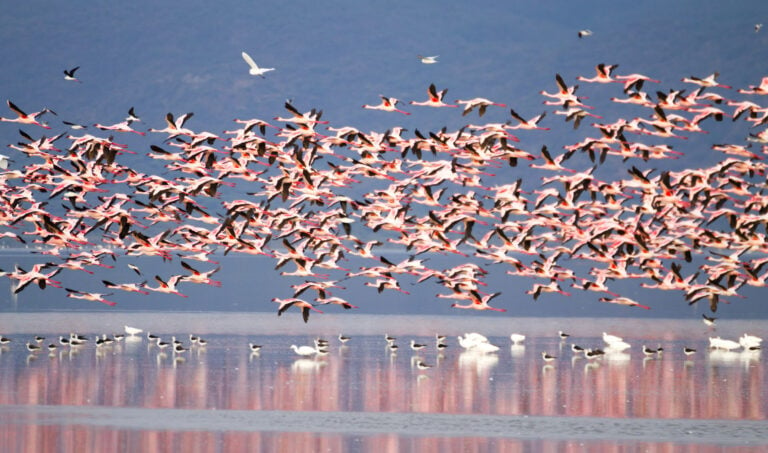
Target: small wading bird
69 74
254 68
255 348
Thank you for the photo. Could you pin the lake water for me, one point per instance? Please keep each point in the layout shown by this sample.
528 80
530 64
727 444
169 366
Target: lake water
131 396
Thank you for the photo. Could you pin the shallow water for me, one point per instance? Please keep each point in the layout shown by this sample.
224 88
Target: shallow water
132 397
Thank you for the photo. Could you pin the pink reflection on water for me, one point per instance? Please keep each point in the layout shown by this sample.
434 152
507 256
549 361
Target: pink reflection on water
365 377
711 385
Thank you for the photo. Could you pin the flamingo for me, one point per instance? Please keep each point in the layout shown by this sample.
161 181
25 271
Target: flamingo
335 300
35 275
167 287
175 127
435 98
124 126
254 69
96 297
634 81
528 124
309 118
477 103
623 301
480 302
708 81
198 276
24 118
387 104
305 306
603 74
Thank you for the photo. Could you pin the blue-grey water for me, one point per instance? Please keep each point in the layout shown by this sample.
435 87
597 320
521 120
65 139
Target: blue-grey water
131 396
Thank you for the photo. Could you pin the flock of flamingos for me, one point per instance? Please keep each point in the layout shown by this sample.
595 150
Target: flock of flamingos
324 202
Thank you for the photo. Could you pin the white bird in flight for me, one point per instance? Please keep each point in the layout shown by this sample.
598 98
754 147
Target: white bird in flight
428 60
255 69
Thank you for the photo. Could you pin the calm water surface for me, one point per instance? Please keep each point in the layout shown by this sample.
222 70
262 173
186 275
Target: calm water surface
131 396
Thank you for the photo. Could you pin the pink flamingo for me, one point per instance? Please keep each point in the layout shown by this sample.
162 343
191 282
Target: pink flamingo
435 98
387 105
25 118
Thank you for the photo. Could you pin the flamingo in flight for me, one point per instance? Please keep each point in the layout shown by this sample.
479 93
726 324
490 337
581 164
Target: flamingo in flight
305 306
477 103
124 126
254 68
96 297
602 74
757 89
623 301
530 124
435 98
387 104
25 118
480 302
709 81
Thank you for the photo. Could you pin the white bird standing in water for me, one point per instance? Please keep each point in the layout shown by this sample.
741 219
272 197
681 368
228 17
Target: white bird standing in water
304 350
132 331
255 69
517 338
